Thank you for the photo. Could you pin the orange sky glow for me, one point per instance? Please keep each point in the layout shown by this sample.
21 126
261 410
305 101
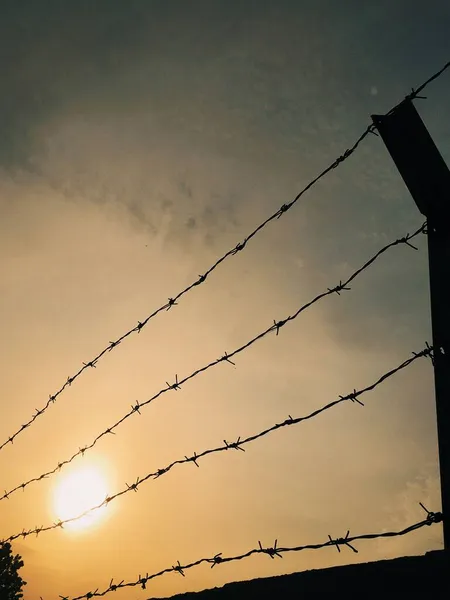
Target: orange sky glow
124 195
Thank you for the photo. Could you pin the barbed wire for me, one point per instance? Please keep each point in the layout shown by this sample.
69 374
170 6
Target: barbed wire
416 91
370 129
277 325
273 552
174 300
236 445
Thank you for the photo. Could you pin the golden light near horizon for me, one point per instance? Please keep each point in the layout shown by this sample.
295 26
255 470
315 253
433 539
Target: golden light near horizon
77 492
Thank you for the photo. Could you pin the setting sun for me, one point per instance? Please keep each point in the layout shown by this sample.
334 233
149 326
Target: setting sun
77 492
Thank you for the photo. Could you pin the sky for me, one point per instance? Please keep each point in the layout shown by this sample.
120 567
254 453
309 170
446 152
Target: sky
140 141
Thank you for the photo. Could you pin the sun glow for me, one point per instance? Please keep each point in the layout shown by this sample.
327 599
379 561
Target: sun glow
77 492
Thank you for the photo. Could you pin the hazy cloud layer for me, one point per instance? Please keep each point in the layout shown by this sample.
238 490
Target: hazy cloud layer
140 141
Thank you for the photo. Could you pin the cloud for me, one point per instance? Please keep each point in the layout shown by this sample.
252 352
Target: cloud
140 142
405 510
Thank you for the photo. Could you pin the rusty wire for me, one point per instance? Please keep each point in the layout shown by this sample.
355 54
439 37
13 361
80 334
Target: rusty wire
226 357
370 129
236 445
274 551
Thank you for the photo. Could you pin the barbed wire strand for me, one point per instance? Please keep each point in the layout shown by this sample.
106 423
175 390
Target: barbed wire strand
416 91
273 552
277 325
174 300
370 129
237 445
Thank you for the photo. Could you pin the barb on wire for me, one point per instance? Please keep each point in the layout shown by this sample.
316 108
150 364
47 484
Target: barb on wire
414 94
273 551
370 129
237 445
342 542
174 300
225 358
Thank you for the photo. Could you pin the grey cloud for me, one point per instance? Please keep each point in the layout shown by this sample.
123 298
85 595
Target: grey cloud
175 112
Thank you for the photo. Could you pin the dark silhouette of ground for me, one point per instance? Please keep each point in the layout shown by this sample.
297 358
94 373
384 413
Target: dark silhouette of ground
423 577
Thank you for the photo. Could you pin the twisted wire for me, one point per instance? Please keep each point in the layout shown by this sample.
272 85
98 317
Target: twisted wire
226 357
236 445
370 129
272 552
